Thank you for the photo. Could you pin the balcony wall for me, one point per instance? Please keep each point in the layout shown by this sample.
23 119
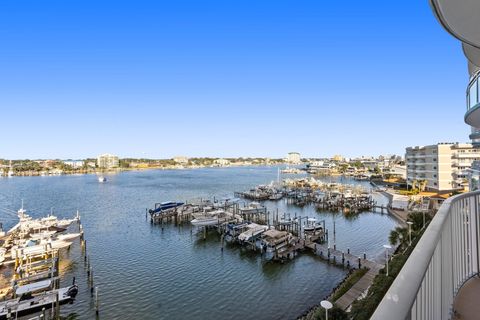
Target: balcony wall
446 256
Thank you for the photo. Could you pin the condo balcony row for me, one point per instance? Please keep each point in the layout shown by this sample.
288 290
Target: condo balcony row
472 117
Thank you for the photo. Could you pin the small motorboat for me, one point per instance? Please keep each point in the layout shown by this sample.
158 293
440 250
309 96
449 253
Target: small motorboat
35 297
312 225
165 206
102 179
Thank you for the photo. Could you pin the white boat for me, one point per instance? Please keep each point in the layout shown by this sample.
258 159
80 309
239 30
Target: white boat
3 251
102 179
312 225
208 218
68 236
30 300
32 248
253 231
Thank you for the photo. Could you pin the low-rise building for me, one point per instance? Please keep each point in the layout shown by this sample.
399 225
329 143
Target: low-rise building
222 162
75 164
180 159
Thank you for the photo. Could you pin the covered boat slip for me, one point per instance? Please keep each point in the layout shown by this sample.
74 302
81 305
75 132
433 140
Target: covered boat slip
274 237
28 304
33 287
253 231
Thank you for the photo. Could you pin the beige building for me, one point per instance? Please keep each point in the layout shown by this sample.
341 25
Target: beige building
443 166
222 162
294 158
107 161
180 159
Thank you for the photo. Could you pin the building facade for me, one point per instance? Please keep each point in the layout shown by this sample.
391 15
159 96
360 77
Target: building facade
443 166
180 159
107 161
294 158
439 279
75 164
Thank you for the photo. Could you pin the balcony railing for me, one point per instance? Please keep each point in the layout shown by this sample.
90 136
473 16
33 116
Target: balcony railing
446 256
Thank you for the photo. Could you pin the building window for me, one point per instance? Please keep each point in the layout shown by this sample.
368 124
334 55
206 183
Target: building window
434 183
434 168
434 159
434 175
472 94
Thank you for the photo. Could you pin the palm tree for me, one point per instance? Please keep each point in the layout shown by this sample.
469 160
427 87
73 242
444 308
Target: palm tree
398 235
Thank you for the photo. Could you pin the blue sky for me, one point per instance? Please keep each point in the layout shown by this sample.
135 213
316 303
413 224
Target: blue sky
226 78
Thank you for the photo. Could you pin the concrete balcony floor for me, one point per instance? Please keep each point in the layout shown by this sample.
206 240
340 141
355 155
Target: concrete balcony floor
466 304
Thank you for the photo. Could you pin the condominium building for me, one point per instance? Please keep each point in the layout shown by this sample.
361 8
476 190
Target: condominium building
107 161
294 158
180 159
443 166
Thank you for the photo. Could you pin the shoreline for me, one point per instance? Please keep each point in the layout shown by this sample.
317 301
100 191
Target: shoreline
310 313
80 172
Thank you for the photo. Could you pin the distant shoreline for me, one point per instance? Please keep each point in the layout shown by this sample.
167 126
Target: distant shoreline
118 170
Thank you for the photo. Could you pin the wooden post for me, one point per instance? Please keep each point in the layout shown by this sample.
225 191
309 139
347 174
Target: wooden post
57 306
97 304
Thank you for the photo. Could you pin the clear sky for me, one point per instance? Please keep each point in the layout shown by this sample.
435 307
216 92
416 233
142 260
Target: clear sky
226 78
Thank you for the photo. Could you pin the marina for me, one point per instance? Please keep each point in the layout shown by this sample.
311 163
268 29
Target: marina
32 249
190 265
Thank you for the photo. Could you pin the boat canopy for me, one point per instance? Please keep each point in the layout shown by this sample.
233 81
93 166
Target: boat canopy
39 285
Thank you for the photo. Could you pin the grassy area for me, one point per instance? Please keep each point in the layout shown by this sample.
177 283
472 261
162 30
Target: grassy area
349 283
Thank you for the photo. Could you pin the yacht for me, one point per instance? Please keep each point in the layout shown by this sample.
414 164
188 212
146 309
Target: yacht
208 218
34 247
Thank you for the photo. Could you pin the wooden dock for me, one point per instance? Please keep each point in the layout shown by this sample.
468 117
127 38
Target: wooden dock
359 288
344 258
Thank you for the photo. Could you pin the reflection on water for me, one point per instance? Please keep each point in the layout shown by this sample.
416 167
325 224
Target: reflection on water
144 272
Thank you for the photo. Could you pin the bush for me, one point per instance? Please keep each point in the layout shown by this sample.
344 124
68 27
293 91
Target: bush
348 283
364 308
335 313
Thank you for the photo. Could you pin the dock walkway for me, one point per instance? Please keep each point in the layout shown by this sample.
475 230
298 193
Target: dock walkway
358 288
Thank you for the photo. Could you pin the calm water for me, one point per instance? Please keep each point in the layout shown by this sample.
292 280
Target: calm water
144 272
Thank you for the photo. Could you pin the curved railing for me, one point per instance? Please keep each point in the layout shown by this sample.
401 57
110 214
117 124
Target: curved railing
445 257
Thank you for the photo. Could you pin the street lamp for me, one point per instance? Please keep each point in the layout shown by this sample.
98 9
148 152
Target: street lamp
423 219
387 247
410 232
326 305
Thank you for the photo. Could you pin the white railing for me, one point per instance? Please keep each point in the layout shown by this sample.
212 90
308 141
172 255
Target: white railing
446 256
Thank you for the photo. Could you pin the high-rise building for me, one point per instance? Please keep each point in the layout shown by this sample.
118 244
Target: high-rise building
107 161
294 158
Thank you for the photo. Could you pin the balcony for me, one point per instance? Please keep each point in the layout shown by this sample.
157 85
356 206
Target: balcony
441 275
472 117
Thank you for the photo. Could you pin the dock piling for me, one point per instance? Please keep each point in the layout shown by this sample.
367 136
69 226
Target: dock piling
97 305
